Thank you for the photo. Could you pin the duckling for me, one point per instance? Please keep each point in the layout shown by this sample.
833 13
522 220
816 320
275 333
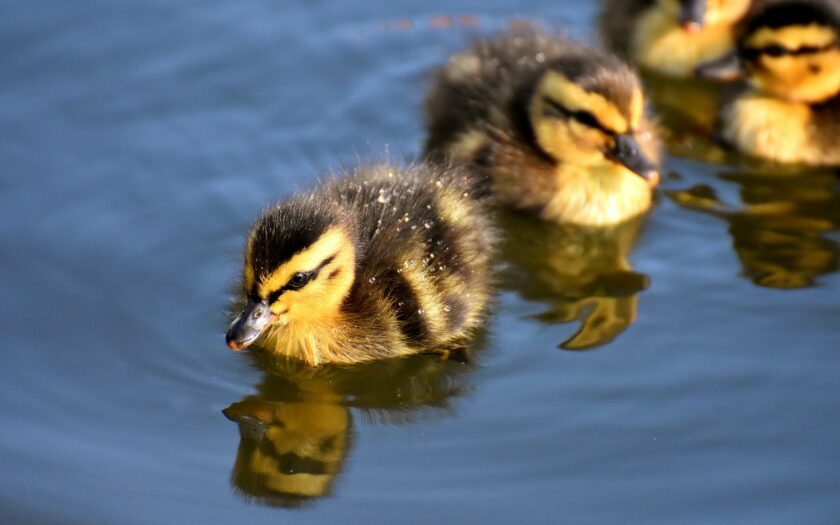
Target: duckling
671 37
379 263
790 55
551 127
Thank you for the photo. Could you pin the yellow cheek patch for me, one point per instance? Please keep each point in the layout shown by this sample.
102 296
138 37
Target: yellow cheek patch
329 244
574 98
793 37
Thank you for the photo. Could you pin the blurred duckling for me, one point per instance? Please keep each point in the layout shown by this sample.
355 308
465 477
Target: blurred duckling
671 37
790 55
380 263
556 129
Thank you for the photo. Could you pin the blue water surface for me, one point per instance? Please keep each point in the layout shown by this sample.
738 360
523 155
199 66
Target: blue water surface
138 140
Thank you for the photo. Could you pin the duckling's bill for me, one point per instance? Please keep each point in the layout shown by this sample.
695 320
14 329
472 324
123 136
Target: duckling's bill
628 152
692 15
249 325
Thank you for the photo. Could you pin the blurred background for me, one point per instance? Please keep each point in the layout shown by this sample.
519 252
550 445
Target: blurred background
683 371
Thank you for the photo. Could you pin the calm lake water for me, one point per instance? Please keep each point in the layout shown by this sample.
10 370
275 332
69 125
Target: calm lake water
694 379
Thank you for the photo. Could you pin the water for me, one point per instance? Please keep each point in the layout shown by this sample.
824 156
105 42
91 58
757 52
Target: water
699 378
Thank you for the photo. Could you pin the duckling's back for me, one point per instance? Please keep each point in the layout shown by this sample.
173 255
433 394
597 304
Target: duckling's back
476 88
428 244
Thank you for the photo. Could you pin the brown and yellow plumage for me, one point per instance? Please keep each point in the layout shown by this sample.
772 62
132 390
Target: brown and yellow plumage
379 263
555 129
790 54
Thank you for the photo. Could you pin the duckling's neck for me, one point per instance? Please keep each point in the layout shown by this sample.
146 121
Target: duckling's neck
340 340
311 342
660 44
783 130
597 196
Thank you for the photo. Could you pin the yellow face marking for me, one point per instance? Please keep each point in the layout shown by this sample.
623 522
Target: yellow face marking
792 37
328 245
810 78
574 98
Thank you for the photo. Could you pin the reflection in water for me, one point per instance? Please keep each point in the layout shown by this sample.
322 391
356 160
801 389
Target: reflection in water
581 273
779 229
687 111
297 430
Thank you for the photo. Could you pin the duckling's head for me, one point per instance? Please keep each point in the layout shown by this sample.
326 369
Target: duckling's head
790 50
586 110
300 260
693 15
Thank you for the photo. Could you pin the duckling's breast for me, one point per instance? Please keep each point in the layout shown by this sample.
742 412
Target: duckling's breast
778 130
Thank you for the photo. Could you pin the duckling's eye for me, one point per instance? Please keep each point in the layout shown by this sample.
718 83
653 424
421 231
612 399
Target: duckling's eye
587 119
298 280
553 110
775 50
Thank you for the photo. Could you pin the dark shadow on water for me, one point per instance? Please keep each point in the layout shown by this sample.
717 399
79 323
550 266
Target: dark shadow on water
297 430
581 274
779 228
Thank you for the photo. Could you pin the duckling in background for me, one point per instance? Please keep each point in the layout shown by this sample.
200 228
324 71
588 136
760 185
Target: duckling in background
297 429
556 129
671 37
379 263
581 273
781 228
790 54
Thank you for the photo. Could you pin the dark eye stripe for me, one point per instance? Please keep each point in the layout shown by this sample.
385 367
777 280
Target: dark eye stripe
310 276
776 50
584 117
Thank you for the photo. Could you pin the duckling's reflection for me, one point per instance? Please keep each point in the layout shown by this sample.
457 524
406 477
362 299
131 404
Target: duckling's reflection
297 430
779 230
581 273
687 111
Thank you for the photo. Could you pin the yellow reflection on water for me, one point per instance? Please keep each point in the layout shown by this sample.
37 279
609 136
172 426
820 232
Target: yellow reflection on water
296 431
686 112
582 274
779 226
